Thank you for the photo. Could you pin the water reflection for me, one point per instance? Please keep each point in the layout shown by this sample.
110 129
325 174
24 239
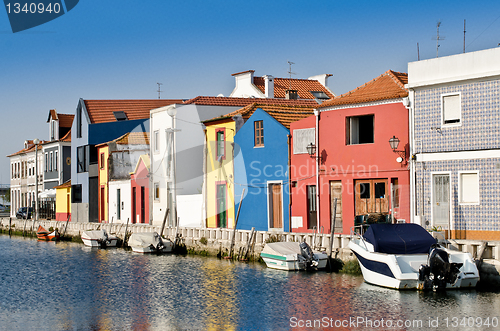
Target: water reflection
67 286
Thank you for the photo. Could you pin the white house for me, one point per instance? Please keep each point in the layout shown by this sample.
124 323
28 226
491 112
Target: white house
455 143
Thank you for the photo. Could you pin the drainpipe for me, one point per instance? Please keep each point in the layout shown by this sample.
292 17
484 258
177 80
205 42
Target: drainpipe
316 113
289 138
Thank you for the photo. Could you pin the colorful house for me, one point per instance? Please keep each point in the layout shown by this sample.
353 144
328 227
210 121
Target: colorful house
97 122
63 201
117 160
219 174
139 181
343 154
456 142
261 165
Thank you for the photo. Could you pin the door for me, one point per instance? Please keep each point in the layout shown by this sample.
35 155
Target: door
311 207
336 193
103 206
371 196
221 206
441 200
143 205
275 206
134 204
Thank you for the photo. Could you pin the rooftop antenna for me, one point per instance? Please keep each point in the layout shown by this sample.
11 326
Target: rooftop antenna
290 72
159 91
438 38
418 52
464 35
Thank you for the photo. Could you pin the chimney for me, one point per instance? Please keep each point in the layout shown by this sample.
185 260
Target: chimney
291 95
269 86
244 83
323 79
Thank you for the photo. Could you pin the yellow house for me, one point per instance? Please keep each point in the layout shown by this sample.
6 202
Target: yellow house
219 172
63 201
103 153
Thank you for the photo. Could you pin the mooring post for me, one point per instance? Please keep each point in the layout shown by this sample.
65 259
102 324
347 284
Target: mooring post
10 225
332 232
235 224
125 236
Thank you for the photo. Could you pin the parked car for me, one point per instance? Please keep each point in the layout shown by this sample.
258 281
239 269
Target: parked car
21 213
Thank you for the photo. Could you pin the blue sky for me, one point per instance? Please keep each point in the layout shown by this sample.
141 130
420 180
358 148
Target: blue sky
121 49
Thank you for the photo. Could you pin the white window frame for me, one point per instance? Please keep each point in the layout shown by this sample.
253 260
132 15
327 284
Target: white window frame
459 123
51 161
460 184
55 160
156 189
156 141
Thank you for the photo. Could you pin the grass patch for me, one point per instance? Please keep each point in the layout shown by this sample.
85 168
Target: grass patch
274 238
351 267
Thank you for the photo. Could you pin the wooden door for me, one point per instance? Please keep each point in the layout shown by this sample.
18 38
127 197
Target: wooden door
336 193
275 206
371 196
221 206
143 205
441 200
311 207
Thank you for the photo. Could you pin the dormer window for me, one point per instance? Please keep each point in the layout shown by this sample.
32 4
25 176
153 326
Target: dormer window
53 130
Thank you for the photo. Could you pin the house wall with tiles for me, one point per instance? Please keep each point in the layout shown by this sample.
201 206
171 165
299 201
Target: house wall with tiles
462 147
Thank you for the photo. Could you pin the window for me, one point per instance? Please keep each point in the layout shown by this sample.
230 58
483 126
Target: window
55 161
81 164
79 122
46 162
469 188
156 141
101 161
76 193
451 109
118 204
51 159
53 130
302 138
259 133
359 130
364 190
221 153
157 191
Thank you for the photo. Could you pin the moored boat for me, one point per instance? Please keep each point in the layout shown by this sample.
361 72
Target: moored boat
98 238
292 256
43 234
149 242
406 256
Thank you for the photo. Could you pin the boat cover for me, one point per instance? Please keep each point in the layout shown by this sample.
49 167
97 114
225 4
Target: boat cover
282 248
406 238
94 234
144 239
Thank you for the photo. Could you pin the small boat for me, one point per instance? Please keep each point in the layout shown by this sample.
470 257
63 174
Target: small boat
406 256
149 242
98 238
43 234
292 256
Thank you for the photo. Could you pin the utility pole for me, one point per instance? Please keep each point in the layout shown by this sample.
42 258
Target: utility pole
159 91
438 38
464 36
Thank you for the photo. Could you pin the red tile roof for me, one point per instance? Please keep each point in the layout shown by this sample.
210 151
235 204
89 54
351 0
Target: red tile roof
66 184
101 111
302 86
31 148
389 85
67 137
283 114
242 102
134 138
65 120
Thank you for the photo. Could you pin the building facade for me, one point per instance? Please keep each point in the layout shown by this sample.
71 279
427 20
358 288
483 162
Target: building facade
455 104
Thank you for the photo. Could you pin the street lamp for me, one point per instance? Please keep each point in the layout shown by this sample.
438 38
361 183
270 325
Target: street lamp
36 141
394 143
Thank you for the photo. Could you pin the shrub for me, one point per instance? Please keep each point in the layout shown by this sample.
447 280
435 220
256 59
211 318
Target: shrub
274 238
203 240
351 267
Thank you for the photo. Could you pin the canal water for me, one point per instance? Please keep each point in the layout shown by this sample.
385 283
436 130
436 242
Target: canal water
67 286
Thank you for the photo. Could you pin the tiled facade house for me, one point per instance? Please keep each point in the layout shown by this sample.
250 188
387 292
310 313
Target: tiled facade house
455 102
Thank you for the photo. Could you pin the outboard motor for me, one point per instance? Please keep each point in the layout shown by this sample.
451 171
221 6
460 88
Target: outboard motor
307 253
439 271
160 246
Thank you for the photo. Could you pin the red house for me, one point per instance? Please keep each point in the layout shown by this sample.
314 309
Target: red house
139 181
344 152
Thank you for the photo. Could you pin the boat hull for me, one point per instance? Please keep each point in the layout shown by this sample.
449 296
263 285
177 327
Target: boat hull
43 234
401 271
150 249
98 238
148 243
290 263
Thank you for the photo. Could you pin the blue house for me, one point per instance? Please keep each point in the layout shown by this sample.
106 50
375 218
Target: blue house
96 122
261 165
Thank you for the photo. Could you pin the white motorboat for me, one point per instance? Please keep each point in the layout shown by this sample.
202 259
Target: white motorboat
292 256
98 238
149 242
406 256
